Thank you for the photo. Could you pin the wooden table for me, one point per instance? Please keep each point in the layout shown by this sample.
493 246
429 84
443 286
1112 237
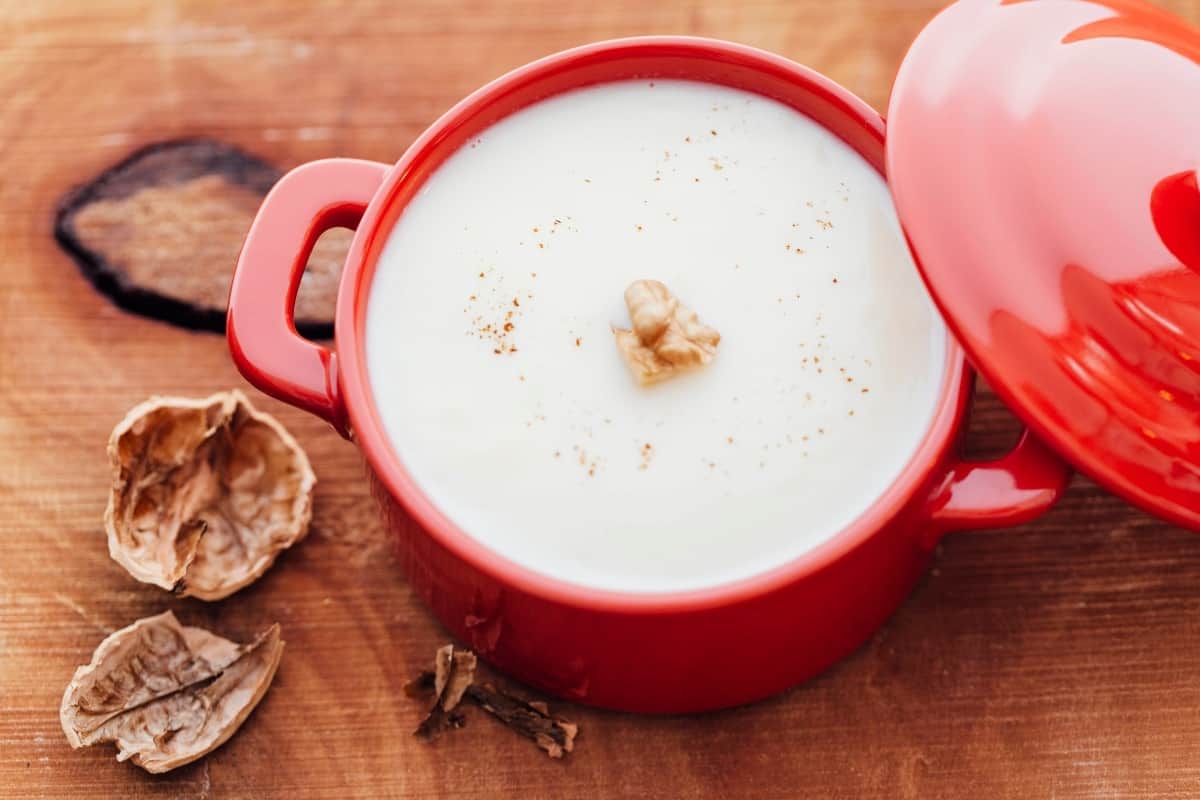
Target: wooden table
1061 659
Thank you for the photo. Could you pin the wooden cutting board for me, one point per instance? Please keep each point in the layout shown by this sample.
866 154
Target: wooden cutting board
1060 659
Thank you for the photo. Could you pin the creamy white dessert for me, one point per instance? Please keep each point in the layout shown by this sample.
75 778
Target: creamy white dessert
493 366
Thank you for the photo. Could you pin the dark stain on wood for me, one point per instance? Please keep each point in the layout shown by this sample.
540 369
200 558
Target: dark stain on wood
159 234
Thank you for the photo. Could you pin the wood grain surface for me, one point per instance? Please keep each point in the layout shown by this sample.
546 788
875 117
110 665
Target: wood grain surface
1060 659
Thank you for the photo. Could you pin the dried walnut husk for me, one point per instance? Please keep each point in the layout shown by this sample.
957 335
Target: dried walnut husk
455 671
531 719
206 493
453 680
167 694
453 675
667 337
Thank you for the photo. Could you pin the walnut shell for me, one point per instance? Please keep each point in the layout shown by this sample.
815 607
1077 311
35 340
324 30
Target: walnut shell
206 493
167 694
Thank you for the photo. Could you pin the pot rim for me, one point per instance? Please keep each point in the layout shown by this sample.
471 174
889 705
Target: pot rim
590 64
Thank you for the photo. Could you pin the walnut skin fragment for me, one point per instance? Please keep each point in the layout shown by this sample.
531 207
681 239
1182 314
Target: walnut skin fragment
454 671
667 338
453 680
454 674
159 234
206 493
167 694
530 719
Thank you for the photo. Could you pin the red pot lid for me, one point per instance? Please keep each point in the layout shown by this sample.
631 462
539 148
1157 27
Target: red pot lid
1043 155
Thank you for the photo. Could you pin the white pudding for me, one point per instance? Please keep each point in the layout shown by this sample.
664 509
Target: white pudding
492 363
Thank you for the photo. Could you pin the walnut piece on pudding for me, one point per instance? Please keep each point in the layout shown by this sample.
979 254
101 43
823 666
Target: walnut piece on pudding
667 337
206 493
167 694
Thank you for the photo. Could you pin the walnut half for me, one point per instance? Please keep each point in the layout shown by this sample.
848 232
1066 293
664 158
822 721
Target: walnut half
206 493
667 337
167 694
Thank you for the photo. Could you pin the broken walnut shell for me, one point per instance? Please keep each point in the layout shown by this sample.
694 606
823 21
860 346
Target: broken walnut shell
167 694
453 675
667 338
453 680
531 719
206 493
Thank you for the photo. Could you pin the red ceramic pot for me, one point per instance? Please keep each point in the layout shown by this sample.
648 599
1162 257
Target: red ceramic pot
686 651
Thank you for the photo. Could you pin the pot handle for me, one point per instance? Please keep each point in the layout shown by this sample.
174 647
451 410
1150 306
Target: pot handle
1011 490
260 326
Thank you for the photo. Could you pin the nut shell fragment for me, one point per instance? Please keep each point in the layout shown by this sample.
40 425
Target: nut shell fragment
453 680
667 337
167 694
454 671
206 493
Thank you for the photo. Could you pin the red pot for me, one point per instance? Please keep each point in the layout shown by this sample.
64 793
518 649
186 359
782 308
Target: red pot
675 652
